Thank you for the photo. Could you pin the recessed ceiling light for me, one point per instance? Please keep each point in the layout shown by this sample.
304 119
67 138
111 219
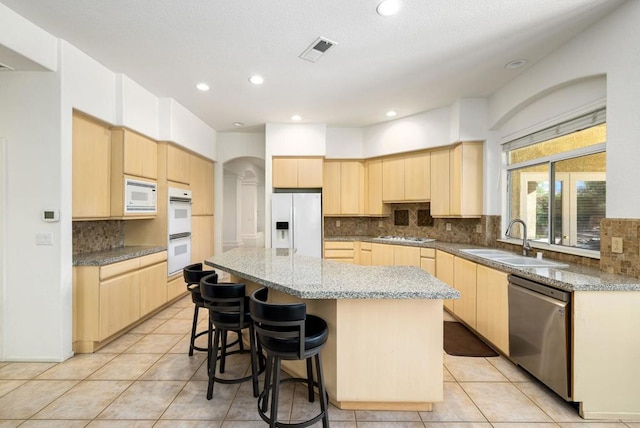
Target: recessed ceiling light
202 86
517 63
391 113
238 124
296 117
388 7
256 79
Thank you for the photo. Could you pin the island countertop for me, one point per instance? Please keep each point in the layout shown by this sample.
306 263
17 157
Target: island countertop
314 278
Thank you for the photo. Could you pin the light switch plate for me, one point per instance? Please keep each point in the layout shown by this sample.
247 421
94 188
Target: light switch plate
478 228
337 223
448 226
45 238
616 245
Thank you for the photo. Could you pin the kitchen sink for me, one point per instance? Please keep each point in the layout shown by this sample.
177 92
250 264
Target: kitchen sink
511 259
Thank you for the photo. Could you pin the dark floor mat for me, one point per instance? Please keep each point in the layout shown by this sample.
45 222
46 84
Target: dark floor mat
459 341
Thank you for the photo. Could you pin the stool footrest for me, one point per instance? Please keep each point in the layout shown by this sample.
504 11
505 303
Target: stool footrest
264 394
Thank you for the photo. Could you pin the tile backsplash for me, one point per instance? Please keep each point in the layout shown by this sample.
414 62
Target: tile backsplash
477 231
628 262
90 236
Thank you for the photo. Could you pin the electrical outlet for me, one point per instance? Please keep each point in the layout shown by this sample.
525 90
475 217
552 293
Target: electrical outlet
448 227
380 224
616 245
478 228
337 223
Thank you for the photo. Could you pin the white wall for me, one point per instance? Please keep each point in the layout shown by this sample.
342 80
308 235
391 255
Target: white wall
345 143
137 108
420 131
179 125
609 47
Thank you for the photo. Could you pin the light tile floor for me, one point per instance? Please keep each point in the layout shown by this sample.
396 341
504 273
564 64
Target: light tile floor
145 378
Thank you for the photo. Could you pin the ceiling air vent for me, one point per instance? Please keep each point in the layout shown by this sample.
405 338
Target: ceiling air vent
4 67
317 49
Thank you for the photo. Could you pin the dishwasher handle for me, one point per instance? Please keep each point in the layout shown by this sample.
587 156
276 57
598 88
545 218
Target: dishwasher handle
554 293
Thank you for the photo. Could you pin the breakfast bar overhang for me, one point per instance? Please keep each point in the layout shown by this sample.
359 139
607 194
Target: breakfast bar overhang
384 350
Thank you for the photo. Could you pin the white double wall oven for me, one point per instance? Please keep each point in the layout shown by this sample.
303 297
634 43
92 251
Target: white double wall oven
179 225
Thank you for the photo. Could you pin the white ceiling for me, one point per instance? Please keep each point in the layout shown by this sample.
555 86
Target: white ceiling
427 56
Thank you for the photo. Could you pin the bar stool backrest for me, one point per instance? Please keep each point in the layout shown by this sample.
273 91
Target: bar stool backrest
226 302
192 274
281 323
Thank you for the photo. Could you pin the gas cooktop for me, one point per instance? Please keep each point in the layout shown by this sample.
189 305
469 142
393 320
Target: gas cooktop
404 239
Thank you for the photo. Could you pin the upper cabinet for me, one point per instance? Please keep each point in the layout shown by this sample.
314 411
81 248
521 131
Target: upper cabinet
178 164
343 192
373 188
456 181
91 169
201 179
134 154
297 172
406 178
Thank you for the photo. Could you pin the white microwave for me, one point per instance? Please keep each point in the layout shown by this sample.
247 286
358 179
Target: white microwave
140 197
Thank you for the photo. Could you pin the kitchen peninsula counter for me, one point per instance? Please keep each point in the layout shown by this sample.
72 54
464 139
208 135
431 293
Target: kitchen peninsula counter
384 350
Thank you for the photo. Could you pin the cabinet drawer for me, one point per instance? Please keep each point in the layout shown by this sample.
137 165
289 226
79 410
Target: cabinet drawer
428 252
114 269
338 254
338 245
152 259
365 246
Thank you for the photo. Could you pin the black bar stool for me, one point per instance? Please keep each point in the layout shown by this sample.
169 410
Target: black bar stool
287 332
228 311
192 275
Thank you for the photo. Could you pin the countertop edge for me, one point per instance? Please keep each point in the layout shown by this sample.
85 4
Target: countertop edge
101 258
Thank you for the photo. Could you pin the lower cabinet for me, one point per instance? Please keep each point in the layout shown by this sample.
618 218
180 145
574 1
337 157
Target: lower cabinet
175 287
340 251
428 260
109 298
464 280
444 272
493 306
381 254
365 254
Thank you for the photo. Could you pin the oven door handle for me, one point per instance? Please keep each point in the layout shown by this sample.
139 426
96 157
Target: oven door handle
179 236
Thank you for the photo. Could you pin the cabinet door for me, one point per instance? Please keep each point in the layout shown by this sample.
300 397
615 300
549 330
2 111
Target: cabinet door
178 163
428 264
91 169
201 238
119 303
331 195
176 287
374 188
365 257
444 272
406 256
310 173
493 306
440 171
153 289
285 172
201 179
466 180
417 177
464 280
351 187
381 255
393 179
140 155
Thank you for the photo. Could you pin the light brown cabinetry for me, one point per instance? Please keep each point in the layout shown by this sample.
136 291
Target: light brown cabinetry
91 169
464 280
373 189
176 287
365 254
297 172
456 181
381 254
343 191
406 177
178 164
444 272
201 184
406 256
109 298
428 260
341 251
493 306
134 154
201 238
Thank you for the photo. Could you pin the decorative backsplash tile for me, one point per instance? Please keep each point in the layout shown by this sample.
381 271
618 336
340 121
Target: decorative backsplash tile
401 217
628 262
90 236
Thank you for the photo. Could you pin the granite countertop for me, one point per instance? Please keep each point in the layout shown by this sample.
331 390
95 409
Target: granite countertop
572 278
100 258
315 278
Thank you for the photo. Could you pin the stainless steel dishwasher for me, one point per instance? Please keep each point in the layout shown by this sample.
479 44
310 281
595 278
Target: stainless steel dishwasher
539 332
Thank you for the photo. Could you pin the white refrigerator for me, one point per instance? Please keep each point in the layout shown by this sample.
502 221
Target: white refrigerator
296 222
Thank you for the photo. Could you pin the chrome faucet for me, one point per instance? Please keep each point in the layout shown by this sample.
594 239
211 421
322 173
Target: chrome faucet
525 243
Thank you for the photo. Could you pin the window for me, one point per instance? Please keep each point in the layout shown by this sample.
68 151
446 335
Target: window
567 213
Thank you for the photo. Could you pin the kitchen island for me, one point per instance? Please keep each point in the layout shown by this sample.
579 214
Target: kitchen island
384 350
